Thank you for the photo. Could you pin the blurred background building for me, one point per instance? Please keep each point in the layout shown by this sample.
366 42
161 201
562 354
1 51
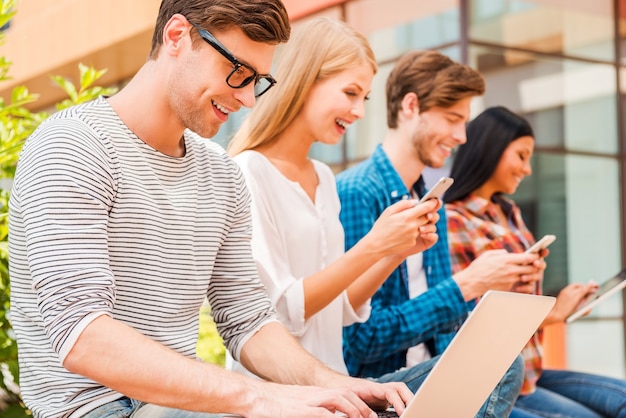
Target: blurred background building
560 63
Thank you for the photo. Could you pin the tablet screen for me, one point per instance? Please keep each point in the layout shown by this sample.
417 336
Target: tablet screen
606 289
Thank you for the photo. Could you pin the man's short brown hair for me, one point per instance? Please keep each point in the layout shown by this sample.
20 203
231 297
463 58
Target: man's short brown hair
260 20
434 78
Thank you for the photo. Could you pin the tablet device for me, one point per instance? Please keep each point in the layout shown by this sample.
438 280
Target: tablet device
606 289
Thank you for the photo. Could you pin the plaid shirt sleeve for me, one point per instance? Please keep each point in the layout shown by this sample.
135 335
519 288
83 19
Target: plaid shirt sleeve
462 251
396 322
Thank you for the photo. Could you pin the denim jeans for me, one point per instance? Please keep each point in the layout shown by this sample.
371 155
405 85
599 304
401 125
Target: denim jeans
130 408
563 393
498 404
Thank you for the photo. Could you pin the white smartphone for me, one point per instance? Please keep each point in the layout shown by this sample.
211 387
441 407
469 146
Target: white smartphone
438 189
541 244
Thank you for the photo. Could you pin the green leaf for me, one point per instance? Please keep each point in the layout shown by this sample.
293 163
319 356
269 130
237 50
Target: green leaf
67 86
87 75
7 11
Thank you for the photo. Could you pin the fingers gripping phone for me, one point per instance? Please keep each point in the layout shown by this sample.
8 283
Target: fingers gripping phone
541 244
438 189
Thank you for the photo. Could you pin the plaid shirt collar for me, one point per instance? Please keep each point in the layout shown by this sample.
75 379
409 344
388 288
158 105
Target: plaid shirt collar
485 209
391 178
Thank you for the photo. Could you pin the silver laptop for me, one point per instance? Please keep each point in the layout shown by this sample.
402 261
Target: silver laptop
479 355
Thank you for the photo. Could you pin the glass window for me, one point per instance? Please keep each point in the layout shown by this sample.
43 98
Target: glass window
576 98
396 26
593 217
596 347
578 28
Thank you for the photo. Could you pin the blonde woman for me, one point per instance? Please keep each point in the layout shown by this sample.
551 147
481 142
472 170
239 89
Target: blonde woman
324 74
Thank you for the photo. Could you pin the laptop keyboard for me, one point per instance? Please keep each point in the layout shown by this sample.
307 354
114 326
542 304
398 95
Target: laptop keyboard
387 414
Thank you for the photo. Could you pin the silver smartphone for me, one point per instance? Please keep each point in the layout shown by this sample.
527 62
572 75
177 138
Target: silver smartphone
541 244
438 189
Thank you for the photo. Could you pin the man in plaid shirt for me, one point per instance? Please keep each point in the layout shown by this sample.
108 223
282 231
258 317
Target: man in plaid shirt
420 306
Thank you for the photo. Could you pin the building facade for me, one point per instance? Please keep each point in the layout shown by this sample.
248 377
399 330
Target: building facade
559 63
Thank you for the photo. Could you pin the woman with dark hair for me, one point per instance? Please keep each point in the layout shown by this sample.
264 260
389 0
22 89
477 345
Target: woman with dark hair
492 163
476 162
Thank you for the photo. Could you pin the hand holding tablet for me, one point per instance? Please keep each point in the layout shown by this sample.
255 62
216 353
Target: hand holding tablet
606 289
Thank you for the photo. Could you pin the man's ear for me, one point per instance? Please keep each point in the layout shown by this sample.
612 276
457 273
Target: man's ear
175 33
410 105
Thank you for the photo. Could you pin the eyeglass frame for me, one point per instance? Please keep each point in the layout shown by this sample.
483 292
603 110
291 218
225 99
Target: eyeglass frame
209 38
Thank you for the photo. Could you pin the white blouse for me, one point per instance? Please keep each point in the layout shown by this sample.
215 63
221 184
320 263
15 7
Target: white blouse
294 237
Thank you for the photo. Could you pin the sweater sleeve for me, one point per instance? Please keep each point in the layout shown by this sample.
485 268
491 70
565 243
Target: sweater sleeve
63 191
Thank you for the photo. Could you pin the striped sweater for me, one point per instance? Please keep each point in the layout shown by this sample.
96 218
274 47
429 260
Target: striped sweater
103 224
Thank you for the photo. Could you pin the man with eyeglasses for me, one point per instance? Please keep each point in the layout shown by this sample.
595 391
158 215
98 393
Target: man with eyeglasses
123 219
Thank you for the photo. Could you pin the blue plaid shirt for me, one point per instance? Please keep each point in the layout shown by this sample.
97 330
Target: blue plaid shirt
397 322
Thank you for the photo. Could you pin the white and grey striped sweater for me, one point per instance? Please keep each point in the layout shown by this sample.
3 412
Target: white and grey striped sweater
101 223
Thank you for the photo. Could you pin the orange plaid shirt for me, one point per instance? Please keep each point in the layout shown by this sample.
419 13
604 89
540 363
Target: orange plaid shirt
474 227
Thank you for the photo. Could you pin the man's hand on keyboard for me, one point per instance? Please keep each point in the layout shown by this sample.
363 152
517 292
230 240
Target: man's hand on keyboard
377 395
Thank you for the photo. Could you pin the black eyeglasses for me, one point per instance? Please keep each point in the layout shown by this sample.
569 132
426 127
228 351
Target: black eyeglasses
241 74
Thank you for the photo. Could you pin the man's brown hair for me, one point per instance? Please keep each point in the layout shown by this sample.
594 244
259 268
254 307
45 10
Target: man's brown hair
434 78
260 20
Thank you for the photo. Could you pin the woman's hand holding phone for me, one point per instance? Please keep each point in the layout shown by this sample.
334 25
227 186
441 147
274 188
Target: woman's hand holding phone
528 283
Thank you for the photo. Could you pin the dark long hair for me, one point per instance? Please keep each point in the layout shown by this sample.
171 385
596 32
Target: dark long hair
488 135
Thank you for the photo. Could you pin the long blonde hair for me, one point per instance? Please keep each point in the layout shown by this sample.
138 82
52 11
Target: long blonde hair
319 49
